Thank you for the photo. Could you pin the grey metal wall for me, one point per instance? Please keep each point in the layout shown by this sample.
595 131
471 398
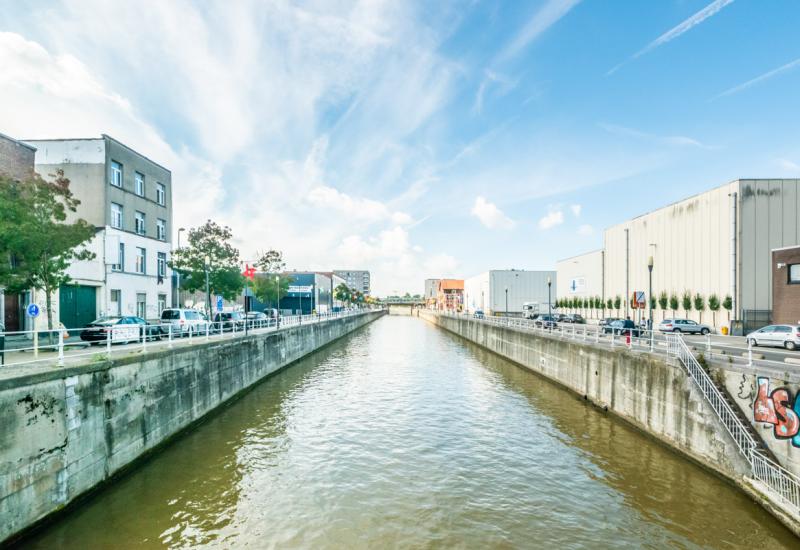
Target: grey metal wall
523 286
768 218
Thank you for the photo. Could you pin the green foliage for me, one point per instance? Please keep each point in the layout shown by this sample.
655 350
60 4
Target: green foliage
686 301
653 302
210 241
727 303
663 300
673 302
585 303
36 244
270 261
609 304
699 302
270 291
598 302
713 302
343 293
617 302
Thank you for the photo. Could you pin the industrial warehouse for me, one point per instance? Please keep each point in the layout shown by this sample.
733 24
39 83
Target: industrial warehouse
714 248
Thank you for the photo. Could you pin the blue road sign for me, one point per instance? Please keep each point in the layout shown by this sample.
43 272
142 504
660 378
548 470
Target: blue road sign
219 303
32 310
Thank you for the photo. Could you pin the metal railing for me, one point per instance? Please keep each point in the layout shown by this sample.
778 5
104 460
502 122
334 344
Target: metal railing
779 483
36 347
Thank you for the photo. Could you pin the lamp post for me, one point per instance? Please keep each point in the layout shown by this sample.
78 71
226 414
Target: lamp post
549 303
178 273
650 298
278 301
206 262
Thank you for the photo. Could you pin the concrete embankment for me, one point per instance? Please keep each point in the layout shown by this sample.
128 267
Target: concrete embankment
65 431
645 390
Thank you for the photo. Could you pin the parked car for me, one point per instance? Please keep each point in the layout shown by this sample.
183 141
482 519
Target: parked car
574 318
787 336
478 314
545 321
257 319
121 329
608 320
622 327
182 321
683 325
228 320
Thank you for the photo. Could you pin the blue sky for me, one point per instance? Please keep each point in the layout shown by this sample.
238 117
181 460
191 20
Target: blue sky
416 139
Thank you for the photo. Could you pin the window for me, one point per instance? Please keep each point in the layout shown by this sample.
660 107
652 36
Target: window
162 264
120 265
141 260
794 274
141 305
783 329
115 308
138 187
162 302
140 223
161 230
116 215
116 174
161 194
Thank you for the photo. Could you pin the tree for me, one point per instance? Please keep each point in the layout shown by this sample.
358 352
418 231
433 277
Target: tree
343 293
663 301
653 302
270 291
686 301
270 261
673 303
617 303
36 244
713 305
211 241
609 304
699 304
727 303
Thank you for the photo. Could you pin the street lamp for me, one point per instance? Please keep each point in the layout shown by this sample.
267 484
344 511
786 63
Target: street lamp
178 273
549 304
650 298
278 301
206 262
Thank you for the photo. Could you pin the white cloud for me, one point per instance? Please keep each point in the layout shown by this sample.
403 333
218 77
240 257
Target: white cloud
711 9
329 200
544 18
576 210
585 230
553 218
782 69
674 141
788 165
489 215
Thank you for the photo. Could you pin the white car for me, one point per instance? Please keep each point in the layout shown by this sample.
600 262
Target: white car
183 321
683 325
780 336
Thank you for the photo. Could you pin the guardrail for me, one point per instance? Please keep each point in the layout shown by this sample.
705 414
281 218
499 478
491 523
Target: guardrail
61 345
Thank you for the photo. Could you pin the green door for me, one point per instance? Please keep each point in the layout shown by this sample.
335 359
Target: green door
77 305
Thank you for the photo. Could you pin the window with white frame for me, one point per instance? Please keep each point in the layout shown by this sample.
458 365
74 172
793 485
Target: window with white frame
141 305
116 174
120 265
162 264
116 215
794 274
138 179
161 229
162 303
116 302
140 223
161 194
141 261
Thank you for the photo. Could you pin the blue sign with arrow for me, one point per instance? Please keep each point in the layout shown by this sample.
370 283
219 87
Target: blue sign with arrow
32 310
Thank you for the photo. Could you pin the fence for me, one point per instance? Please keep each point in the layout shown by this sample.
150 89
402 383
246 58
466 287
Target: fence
57 346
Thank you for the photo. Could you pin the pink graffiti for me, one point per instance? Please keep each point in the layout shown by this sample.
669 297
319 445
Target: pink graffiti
776 408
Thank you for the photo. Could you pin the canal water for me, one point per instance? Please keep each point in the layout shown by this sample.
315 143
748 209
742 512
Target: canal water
404 436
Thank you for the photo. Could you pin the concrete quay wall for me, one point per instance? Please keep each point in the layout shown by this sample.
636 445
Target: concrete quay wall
65 431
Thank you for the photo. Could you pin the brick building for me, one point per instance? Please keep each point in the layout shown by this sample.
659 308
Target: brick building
16 158
786 285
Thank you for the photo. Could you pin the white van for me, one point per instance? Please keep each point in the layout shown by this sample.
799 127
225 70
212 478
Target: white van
182 321
530 310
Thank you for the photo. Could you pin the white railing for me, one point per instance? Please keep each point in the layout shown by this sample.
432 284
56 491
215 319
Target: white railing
19 348
779 483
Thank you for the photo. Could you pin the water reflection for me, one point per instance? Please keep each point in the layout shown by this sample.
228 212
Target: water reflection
403 435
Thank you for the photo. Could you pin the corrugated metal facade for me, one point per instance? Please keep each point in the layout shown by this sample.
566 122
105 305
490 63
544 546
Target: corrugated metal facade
487 291
581 276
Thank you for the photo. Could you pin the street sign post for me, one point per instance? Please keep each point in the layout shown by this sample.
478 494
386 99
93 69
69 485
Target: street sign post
219 304
33 312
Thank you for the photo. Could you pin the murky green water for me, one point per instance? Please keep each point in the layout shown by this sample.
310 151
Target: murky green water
404 436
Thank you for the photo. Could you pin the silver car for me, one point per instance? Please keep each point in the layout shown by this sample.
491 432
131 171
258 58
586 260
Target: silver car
183 321
686 326
780 336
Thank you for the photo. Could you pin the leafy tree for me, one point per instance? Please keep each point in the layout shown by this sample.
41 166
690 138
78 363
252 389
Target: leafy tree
727 303
617 303
211 241
699 304
270 291
609 304
686 301
37 245
586 303
270 261
673 303
713 305
653 302
343 293
663 300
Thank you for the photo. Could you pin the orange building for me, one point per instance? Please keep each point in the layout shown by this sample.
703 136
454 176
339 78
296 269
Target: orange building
451 295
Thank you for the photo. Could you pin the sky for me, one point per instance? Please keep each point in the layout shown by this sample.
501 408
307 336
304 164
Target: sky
416 139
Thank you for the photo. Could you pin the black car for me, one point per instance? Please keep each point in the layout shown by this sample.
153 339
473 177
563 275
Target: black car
121 330
545 321
228 320
574 318
622 327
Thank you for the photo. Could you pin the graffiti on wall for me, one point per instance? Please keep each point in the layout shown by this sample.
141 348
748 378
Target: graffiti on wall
776 408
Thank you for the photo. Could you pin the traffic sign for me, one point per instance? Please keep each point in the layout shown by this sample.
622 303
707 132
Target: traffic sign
219 303
32 310
638 300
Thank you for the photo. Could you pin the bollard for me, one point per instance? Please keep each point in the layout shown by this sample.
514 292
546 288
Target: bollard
60 349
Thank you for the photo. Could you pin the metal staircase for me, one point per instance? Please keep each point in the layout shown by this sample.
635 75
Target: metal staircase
775 481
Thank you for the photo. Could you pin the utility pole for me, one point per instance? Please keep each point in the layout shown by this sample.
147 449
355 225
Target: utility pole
650 298
208 293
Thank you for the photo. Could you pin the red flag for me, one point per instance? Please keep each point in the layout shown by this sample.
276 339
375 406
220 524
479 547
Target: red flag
249 272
